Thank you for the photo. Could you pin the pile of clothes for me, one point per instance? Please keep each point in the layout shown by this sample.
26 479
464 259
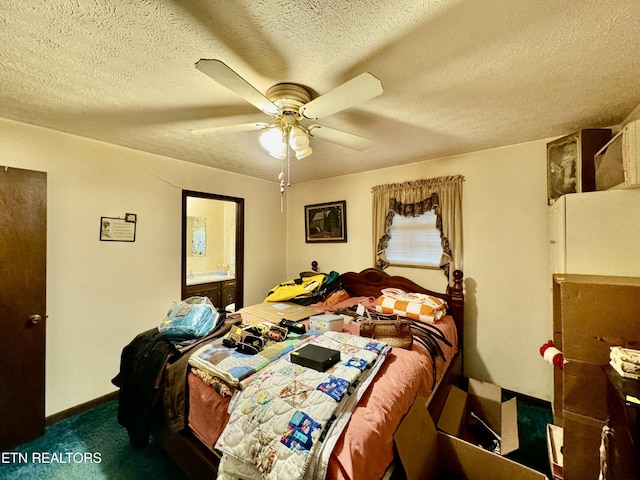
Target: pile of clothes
307 289
625 361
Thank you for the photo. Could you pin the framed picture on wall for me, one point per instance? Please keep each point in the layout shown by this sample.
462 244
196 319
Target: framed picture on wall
326 222
570 162
117 230
564 173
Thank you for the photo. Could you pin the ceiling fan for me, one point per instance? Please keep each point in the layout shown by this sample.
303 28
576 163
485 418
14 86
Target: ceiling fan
292 106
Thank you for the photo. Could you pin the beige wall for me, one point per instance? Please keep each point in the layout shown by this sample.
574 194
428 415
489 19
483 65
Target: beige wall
101 294
110 292
506 263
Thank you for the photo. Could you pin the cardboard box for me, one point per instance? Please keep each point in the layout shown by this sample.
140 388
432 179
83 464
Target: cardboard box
316 357
427 454
595 313
592 314
585 390
326 322
581 449
485 400
275 311
555 440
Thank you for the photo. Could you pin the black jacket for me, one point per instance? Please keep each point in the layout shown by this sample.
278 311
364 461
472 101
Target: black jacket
141 366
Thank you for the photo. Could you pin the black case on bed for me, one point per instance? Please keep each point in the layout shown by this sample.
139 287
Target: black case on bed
316 357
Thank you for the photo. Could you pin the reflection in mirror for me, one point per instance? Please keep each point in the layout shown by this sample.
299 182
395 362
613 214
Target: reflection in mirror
213 248
197 235
212 237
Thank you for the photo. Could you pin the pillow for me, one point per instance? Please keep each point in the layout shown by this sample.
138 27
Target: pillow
417 306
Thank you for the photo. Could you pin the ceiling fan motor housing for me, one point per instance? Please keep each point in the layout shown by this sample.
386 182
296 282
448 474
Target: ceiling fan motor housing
289 97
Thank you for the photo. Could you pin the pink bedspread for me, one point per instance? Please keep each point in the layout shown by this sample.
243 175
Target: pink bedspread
365 449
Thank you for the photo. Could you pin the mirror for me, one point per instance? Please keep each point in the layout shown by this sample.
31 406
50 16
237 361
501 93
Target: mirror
213 248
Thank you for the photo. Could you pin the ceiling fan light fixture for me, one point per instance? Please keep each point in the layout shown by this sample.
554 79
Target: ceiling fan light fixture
300 154
281 155
298 140
272 141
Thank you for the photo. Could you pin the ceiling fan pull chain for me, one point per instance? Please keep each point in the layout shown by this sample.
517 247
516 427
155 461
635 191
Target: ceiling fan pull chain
288 167
281 177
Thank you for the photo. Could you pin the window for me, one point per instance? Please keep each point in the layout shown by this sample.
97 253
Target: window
416 197
414 241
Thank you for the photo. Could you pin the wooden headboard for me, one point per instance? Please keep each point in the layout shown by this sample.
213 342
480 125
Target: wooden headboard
371 281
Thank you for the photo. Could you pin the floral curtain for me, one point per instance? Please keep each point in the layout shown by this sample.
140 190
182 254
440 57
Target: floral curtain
443 195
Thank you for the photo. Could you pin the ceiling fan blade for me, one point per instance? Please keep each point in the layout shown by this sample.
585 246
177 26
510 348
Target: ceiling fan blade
339 137
358 89
241 127
226 77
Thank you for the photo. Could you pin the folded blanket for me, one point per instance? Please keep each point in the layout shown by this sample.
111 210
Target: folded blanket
278 420
417 306
233 367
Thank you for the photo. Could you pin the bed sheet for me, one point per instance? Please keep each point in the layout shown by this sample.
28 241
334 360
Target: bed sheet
405 374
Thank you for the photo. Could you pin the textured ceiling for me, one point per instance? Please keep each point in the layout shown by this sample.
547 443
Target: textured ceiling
458 76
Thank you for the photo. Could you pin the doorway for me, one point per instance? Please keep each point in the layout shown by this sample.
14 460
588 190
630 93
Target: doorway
23 243
213 248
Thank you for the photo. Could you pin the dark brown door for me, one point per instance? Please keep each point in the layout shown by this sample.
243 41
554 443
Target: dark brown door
23 235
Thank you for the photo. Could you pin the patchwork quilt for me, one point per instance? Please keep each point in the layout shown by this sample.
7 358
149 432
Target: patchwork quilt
284 423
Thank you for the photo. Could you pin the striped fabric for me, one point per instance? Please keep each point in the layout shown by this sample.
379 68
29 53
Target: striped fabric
417 306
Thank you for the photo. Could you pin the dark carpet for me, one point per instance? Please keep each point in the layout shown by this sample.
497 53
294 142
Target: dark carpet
88 446
533 417
93 446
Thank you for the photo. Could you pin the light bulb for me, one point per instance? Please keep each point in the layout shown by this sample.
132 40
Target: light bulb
271 141
298 140
282 154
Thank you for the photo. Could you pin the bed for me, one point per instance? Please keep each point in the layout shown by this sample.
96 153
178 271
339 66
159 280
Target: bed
365 448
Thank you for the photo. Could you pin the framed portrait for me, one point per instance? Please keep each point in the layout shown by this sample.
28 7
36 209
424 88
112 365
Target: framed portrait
326 222
563 169
571 162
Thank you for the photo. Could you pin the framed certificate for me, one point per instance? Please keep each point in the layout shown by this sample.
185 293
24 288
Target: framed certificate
117 229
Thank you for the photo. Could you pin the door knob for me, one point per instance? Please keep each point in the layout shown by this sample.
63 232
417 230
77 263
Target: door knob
35 319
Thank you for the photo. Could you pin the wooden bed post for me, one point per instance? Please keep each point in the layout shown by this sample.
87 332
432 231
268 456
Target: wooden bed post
457 304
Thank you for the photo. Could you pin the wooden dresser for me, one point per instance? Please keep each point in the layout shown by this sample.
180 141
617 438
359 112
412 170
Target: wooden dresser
220 293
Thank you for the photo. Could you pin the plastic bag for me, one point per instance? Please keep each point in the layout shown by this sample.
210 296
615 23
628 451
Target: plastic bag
194 317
